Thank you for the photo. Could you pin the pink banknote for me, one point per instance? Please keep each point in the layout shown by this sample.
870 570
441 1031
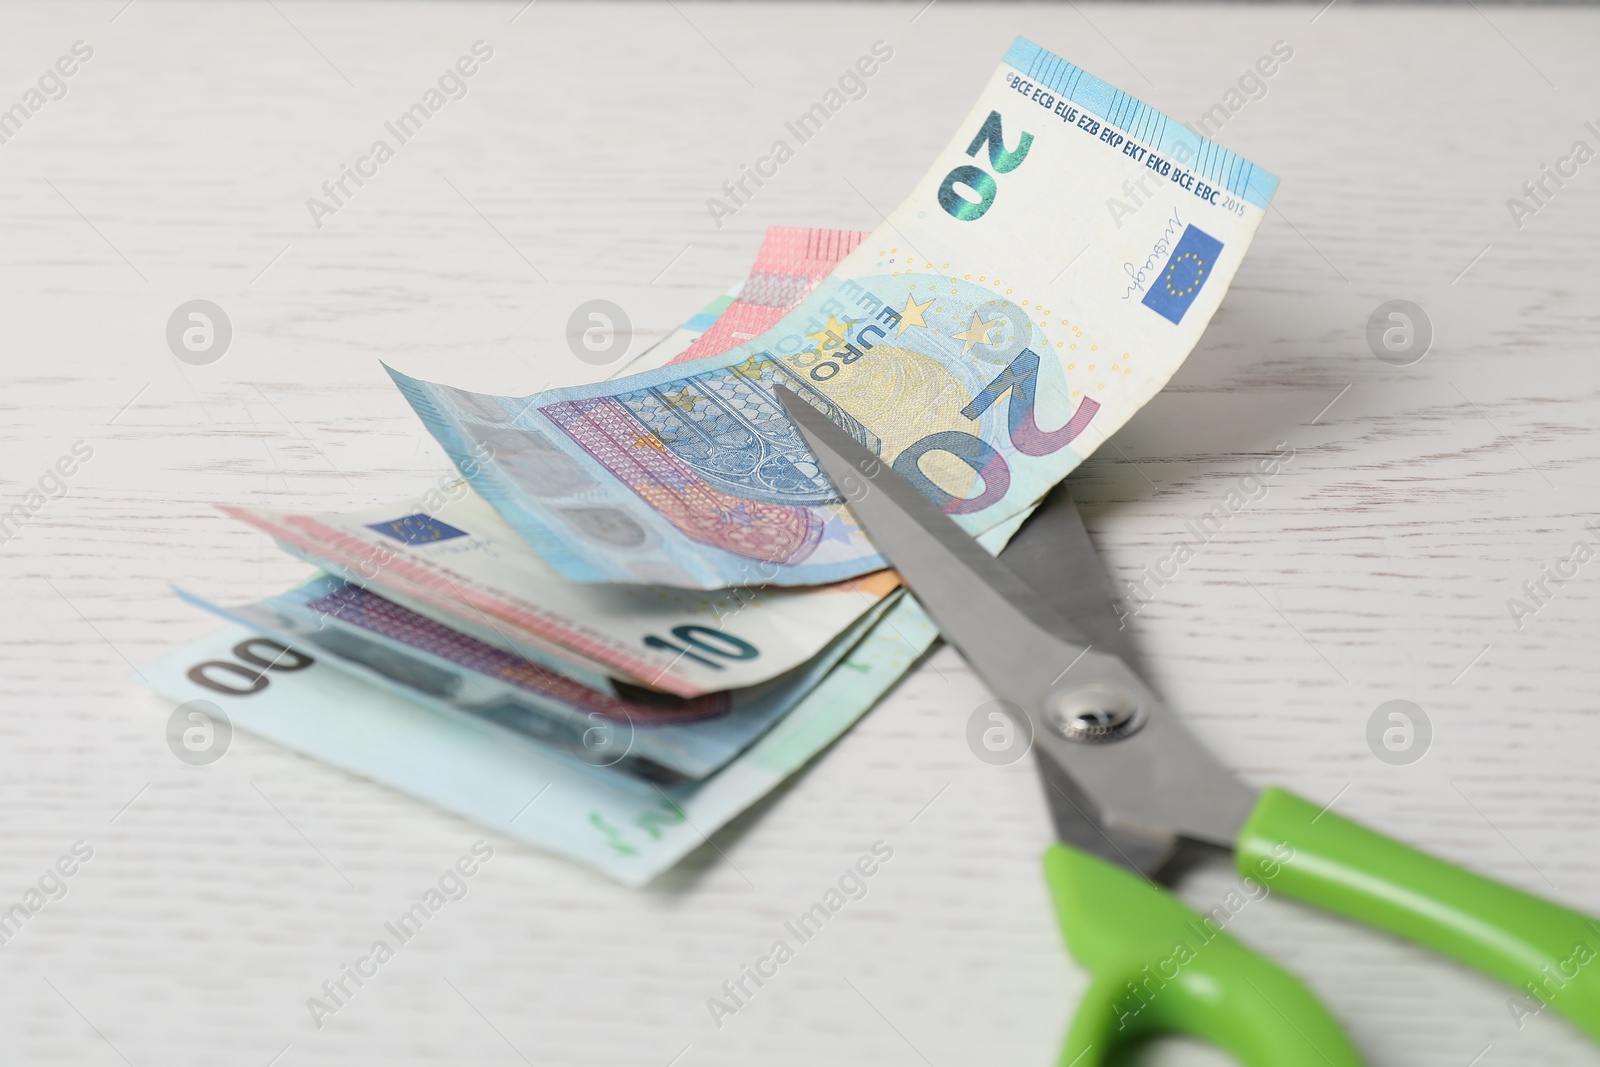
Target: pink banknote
791 262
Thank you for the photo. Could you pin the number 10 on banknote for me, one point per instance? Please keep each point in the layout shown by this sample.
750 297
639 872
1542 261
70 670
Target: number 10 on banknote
997 326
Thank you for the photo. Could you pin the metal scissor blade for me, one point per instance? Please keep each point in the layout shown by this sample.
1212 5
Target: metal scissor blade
1054 556
1016 642
1098 729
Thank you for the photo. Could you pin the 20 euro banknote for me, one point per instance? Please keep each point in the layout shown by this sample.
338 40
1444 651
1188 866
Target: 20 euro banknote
999 324
448 555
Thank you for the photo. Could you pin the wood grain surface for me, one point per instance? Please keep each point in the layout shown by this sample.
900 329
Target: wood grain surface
1376 567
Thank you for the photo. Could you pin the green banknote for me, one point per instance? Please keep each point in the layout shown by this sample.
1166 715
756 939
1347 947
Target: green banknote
513 786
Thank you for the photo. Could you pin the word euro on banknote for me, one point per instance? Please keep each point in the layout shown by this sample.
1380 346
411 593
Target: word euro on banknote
997 326
460 563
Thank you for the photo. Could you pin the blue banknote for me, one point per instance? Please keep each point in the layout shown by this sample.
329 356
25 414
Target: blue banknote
1004 320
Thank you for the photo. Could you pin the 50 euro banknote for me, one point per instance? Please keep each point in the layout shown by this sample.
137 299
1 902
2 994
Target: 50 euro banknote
998 325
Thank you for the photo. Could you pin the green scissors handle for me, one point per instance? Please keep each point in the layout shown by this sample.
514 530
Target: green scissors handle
1159 967
1125 780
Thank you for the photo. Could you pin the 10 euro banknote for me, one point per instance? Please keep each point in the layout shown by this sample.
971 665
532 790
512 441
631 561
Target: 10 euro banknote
641 739
519 786
455 559
998 325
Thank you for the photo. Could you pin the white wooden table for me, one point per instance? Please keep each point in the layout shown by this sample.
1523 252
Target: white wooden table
1377 567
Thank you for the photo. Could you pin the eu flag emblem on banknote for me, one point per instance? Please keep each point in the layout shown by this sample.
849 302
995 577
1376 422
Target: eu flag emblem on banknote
1183 275
417 529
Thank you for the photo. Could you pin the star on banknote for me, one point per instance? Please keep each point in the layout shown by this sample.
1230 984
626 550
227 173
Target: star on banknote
912 315
977 333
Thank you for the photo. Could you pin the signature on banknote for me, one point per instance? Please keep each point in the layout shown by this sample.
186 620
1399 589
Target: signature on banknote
1158 255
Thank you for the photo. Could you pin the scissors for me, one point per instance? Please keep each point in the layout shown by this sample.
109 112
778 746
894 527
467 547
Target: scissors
1128 788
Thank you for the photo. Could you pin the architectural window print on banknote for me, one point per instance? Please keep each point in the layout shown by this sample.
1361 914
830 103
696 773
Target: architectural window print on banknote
982 341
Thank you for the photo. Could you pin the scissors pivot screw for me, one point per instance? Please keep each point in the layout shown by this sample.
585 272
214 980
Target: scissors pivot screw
1095 713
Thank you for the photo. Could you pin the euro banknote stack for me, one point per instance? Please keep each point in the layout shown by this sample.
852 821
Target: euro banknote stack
638 605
